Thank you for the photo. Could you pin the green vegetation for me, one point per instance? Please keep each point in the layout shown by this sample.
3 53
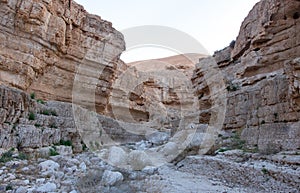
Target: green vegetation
31 116
45 112
41 101
84 147
32 95
251 150
232 86
37 125
49 112
23 156
9 187
264 171
52 125
222 150
65 143
7 156
53 152
53 113
97 145
237 142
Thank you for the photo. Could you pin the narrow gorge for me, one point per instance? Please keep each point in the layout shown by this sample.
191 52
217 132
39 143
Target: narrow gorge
75 118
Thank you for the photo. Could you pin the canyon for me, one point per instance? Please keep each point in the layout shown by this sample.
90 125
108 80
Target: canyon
87 121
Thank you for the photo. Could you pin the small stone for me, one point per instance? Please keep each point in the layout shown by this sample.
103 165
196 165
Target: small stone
59 175
9 178
26 182
25 169
150 170
73 191
110 178
158 138
21 190
49 165
82 167
71 169
40 180
48 187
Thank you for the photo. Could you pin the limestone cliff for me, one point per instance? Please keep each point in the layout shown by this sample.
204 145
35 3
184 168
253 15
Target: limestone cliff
45 44
261 69
158 90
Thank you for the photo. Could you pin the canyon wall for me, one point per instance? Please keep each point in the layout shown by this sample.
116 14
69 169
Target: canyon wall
157 91
261 72
47 44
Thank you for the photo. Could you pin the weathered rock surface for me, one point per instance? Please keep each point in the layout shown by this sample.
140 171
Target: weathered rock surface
46 44
251 171
157 91
30 123
261 72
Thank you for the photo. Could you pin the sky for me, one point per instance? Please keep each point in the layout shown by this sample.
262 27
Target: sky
213 23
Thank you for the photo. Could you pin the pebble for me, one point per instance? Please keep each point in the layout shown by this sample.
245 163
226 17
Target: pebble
82 166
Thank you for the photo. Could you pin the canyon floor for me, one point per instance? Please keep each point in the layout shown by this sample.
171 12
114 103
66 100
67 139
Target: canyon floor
230 171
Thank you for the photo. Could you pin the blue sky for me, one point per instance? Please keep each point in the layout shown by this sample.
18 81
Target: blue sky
214 23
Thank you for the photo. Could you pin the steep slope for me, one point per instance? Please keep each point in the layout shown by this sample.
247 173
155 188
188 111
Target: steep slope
262 75
46 44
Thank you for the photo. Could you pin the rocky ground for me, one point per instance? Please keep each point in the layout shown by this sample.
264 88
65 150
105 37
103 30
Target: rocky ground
230 171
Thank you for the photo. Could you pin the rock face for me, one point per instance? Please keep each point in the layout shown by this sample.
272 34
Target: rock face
262 74
29 123
46 44
158 91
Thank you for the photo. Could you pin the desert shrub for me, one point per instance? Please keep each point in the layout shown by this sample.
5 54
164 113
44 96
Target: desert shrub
23 156
65 143
41 101
32 95
53 152
53 113
31 116
45 112
7 156
8 187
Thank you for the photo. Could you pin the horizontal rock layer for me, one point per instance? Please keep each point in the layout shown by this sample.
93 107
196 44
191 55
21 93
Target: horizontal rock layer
29 123
157 91
261 72
49 46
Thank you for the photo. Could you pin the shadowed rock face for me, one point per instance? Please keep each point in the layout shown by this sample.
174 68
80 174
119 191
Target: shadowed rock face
262 75
43 44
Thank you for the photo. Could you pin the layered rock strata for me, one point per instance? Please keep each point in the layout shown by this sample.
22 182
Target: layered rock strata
47 44
261 72
158 91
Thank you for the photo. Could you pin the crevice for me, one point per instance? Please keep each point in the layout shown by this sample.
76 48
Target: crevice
247 46
296 15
